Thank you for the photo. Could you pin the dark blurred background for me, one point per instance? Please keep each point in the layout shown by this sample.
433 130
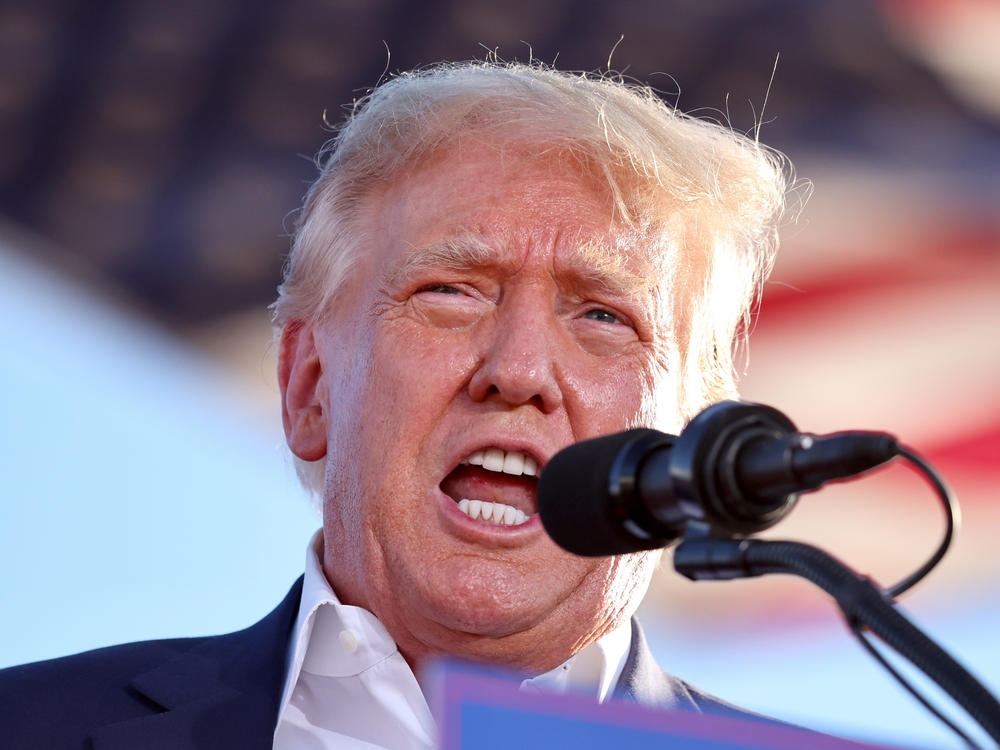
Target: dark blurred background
152 156
163 146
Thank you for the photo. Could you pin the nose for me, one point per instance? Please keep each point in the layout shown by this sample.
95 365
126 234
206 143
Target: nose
518 364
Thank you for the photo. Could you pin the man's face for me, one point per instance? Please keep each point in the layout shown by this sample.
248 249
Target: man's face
481 324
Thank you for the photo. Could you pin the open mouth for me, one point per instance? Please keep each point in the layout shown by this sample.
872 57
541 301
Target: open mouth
495 486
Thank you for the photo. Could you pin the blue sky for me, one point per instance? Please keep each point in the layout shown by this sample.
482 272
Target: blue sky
139 500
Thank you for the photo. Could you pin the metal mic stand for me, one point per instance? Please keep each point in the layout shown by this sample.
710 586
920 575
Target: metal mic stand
700 557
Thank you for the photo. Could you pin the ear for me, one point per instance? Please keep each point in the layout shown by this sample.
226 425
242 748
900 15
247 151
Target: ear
300 377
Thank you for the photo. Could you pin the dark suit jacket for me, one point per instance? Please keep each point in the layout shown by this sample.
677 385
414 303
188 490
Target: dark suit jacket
212 692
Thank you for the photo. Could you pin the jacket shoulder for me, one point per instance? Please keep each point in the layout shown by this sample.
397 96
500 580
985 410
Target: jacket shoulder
644 681
60 703
88 668
44 704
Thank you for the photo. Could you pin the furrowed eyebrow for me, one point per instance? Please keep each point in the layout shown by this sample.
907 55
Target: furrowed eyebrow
601 266
459 253
593 265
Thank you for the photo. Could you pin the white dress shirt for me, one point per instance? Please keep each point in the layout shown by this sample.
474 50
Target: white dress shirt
347 685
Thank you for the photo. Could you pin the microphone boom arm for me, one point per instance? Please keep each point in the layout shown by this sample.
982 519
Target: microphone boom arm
864 604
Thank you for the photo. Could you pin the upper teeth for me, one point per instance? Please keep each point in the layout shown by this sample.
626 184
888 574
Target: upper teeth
508 462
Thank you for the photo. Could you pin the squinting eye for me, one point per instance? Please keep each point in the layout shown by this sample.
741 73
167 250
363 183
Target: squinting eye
601 316
441 289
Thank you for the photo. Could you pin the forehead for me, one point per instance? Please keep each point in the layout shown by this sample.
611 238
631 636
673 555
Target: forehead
490 205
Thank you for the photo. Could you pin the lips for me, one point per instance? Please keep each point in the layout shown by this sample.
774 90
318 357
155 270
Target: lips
495 486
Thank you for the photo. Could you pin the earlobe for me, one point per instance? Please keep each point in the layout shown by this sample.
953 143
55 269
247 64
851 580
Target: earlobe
300 377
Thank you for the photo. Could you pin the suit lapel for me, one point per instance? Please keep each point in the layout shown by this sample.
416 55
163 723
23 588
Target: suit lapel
221 693
643 681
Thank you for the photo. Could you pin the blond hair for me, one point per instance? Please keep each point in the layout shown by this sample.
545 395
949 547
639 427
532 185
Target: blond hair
657 162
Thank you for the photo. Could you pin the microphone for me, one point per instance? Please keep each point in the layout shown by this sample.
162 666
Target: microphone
737 467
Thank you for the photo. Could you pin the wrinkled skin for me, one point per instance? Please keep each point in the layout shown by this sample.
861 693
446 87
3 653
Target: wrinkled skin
422 362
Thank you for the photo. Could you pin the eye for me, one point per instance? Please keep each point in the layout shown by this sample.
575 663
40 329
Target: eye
441 305
601 316
441 289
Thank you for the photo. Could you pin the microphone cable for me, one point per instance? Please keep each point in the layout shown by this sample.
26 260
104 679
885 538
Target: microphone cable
859 630
952 514
952 517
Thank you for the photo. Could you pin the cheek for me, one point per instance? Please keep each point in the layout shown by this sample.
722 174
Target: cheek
346 367
623 394
381 375
655 393
387 404
414 365
666 404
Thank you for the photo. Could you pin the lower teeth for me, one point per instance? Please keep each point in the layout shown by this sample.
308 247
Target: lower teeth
497 513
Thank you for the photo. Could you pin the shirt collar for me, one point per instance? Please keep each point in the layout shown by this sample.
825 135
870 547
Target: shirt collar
330 638
350 640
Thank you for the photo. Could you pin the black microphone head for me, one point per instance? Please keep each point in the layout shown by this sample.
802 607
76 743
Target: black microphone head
582 507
